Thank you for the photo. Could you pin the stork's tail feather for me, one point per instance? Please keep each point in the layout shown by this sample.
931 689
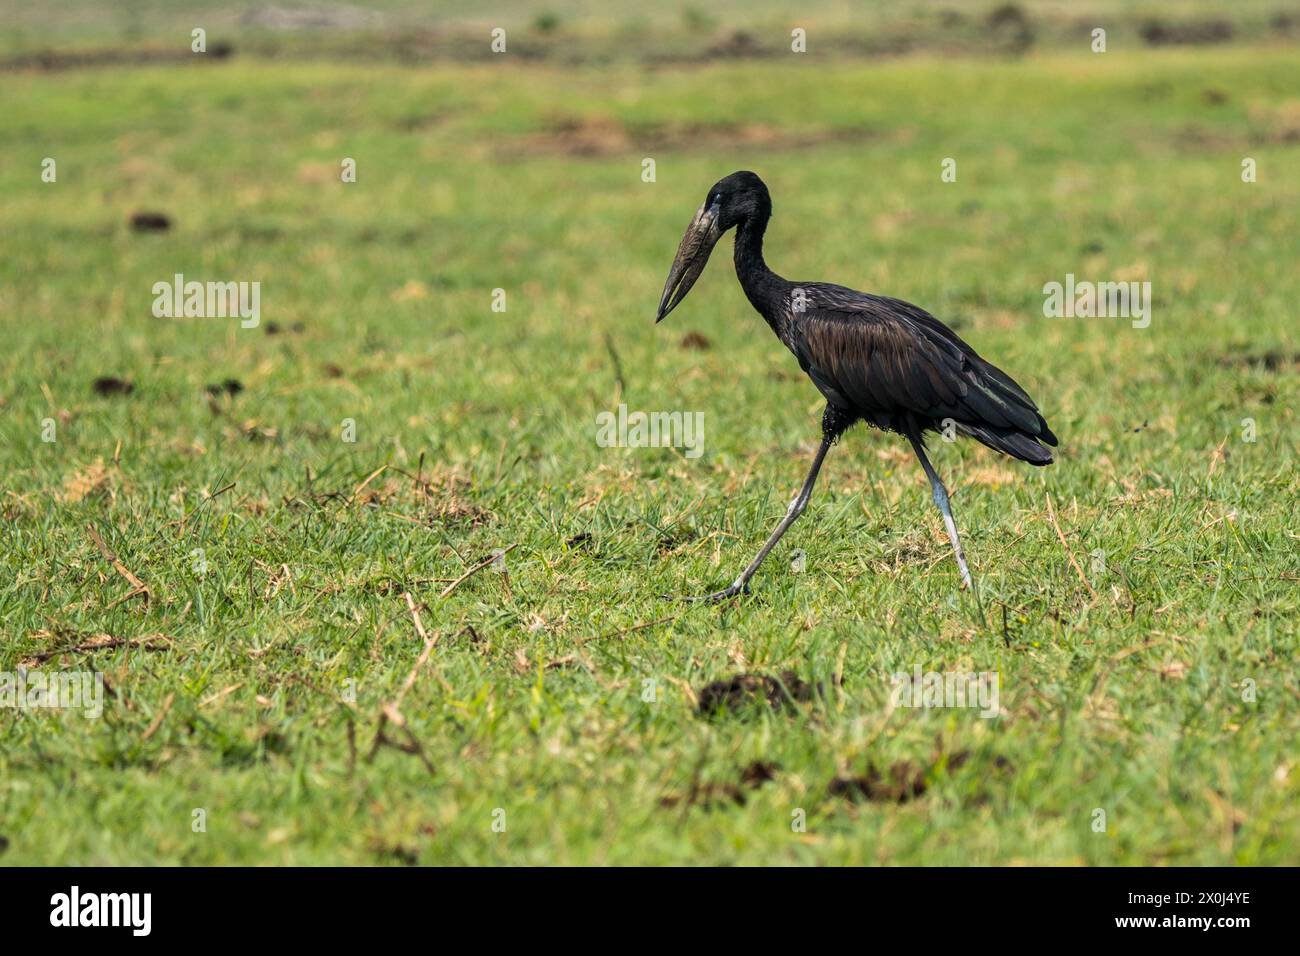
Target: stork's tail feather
1013 442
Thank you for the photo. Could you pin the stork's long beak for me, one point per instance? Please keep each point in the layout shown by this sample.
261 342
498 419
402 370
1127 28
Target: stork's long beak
701 236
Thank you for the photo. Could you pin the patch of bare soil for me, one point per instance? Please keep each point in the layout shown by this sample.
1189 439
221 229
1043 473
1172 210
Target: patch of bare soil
1270 361
713 795
598 136
150 222
107 385
747 690
1190 33
898 783
59 60
905 780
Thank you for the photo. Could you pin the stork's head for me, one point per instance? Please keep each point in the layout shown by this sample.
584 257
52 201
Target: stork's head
730 202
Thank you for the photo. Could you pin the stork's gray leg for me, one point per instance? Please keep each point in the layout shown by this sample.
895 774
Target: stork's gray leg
791 514
940 494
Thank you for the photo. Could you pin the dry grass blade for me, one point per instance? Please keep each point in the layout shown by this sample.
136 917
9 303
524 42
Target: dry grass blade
138 587
1051 516
390 712
476 569
162 715
101 642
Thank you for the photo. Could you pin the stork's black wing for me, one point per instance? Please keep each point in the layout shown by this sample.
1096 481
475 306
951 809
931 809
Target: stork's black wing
904 370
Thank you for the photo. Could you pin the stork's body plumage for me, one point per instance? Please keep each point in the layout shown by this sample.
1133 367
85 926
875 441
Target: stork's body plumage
873 358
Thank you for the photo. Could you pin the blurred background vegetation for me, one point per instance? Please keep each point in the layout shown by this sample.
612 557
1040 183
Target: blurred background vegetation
571 31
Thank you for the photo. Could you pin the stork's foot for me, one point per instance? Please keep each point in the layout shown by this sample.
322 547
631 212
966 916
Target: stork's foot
737 587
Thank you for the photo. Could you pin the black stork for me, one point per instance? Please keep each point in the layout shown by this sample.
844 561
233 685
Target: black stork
873 358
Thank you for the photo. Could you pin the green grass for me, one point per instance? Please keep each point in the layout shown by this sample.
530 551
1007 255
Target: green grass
1123 692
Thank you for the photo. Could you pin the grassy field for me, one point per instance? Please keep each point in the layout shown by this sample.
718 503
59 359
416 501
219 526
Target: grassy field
1138 599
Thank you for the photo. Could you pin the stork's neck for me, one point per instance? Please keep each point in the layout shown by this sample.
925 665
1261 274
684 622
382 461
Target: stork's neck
766 290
